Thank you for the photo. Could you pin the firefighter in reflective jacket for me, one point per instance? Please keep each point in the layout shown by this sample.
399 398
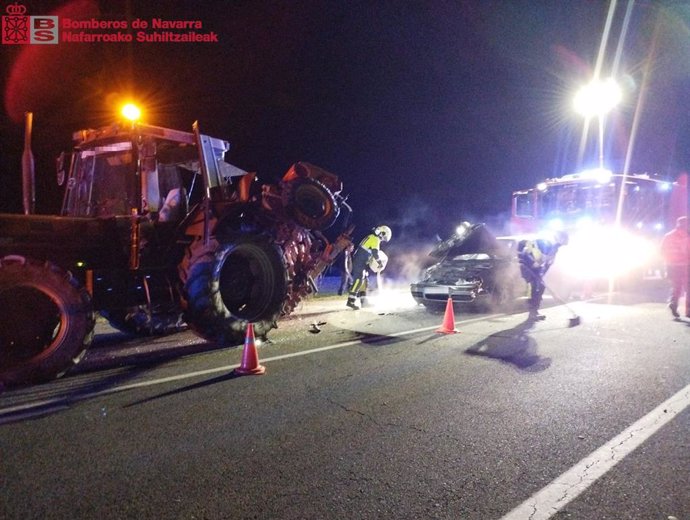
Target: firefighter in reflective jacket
535 258
368 256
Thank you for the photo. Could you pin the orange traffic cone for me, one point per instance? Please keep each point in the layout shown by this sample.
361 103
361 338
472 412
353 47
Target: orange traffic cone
250 357
448 326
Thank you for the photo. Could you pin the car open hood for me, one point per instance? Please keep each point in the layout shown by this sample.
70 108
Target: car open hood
476 239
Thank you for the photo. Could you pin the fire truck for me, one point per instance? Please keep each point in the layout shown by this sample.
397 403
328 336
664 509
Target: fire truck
615 221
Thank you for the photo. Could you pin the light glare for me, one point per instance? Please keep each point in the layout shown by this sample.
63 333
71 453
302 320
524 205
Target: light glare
556 224
131 111
597 98
619 253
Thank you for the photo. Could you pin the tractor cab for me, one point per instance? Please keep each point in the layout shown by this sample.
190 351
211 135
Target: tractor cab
144 170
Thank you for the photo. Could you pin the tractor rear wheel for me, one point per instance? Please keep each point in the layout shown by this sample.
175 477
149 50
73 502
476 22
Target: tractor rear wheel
46 320
230 285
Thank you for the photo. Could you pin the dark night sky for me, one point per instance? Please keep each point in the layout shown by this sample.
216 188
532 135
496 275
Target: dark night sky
430 111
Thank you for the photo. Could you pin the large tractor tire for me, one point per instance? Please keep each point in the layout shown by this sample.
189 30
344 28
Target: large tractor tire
46 321
228 286
310 203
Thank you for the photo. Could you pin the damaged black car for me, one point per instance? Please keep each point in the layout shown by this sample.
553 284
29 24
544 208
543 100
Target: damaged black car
472 266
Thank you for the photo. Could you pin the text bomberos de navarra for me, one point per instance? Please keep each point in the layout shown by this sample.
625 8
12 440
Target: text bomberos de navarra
156 30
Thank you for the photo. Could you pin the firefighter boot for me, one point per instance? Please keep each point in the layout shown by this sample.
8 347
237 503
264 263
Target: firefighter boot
352 303
535 316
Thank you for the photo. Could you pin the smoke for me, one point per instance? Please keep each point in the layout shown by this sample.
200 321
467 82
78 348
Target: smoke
415 232
419 226
407 263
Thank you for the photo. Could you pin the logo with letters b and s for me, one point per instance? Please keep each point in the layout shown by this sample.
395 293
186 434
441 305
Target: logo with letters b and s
18 28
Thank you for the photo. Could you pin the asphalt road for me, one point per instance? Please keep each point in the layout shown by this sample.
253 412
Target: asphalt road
375 416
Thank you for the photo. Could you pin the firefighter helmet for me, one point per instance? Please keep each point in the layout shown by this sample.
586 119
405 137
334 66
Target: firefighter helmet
383 232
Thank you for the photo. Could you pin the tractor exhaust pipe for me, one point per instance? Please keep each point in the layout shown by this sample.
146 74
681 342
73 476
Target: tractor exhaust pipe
28 174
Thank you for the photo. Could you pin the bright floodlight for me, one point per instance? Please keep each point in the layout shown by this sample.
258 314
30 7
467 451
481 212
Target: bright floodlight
597 98
600 175
131 112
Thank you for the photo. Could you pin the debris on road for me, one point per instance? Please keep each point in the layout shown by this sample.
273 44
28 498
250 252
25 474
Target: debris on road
314 328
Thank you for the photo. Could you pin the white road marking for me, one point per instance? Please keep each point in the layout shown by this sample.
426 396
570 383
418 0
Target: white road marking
36 408
556 495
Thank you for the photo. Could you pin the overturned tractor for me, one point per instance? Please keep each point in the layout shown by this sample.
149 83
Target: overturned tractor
156 233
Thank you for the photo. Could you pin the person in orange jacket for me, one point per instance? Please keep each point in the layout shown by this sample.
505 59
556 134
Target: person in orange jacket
675 249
